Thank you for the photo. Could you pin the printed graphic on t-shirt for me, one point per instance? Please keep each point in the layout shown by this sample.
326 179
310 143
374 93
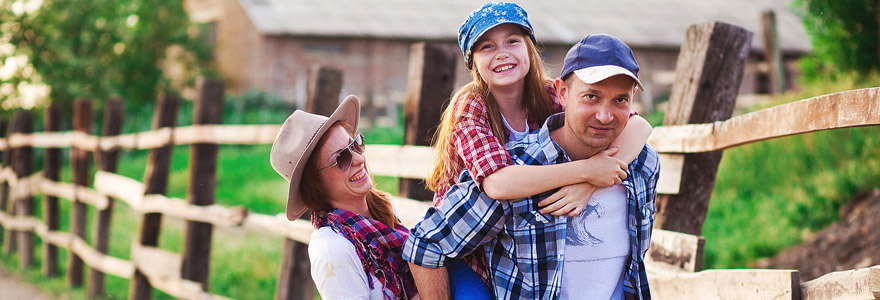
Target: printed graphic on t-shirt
578 233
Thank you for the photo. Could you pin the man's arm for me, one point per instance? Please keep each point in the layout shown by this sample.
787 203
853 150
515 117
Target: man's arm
433 284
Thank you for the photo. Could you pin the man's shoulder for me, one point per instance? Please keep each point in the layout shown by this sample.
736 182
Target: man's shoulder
648 161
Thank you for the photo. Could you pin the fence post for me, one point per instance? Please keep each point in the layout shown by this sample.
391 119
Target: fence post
79 167
156 182
52 171
4 186
324 86
431 78
202 183
707 78
23 164
10 237
772 53
106 161
295 280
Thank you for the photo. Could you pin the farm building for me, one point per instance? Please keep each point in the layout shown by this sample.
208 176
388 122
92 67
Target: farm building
270 44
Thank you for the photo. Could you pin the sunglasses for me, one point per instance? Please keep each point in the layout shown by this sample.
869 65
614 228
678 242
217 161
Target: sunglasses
343 159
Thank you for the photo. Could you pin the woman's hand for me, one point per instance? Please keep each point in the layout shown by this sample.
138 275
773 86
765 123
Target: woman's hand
603 170
570 200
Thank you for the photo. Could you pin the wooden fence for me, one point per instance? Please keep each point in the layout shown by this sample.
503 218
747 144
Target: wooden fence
698 127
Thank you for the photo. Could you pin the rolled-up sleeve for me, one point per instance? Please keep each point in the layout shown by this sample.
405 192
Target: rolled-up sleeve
465 220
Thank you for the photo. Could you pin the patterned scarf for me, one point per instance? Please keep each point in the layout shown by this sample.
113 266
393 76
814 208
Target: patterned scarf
378 246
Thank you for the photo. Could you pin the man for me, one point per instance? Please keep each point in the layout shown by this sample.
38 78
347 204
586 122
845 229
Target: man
596 255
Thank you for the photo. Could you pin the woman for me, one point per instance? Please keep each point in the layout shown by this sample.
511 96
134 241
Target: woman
355 248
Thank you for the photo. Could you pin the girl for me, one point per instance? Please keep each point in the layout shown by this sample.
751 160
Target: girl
508 97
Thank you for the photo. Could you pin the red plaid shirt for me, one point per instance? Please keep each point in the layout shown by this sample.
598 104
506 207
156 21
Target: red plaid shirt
479 151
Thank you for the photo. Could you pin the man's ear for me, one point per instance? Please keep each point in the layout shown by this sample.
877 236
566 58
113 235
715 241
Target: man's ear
561 91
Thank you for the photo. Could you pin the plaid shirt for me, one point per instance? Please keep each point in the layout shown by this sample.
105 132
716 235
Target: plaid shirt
477 149
525 247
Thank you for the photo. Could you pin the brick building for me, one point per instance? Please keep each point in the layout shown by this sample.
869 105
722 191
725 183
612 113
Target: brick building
270 44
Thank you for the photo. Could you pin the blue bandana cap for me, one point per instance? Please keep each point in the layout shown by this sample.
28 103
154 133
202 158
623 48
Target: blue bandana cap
487 17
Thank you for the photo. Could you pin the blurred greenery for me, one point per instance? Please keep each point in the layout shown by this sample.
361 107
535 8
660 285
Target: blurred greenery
843 34
101 48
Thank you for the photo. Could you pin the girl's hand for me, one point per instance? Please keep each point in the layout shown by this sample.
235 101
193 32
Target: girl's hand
603 170
570 200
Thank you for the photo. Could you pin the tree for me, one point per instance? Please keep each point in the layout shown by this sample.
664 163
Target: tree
844 35
97 48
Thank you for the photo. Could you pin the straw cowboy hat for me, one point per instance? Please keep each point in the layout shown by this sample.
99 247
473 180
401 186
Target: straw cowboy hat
295 142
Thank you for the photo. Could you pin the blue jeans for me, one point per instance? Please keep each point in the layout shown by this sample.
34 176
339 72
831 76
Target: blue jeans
464 283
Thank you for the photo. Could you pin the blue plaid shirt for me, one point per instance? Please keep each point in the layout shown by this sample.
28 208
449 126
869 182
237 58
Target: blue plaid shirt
525 248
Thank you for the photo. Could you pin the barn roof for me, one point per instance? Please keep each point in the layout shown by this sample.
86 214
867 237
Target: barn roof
640 23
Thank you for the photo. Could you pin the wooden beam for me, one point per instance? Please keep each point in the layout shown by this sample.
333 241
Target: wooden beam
430 83
23 165
708 74
107 161
80 161
726 284
833 111
7 205
52 172
399 161
202 183
844 285
324 87
155 182
772 52
672 251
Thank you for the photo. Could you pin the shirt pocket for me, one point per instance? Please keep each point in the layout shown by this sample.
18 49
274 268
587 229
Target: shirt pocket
526 214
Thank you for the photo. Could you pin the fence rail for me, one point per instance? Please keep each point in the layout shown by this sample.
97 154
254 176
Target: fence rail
702 93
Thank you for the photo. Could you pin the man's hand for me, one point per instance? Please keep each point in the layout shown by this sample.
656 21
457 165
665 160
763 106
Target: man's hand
570 199
603 170
433 284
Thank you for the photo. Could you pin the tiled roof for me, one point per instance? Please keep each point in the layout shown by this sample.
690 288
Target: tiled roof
641 23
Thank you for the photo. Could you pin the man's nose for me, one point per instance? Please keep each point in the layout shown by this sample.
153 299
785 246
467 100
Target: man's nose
604 115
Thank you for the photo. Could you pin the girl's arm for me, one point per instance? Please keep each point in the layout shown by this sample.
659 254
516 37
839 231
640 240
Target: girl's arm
604 169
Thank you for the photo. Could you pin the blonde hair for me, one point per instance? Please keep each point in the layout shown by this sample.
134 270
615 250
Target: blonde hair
535 99
314 195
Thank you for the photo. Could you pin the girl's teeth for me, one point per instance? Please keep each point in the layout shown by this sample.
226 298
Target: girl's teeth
504 68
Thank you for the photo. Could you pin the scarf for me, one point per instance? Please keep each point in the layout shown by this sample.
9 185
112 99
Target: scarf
378 246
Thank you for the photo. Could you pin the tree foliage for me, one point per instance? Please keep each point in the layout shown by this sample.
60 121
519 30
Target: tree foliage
99 48
844 35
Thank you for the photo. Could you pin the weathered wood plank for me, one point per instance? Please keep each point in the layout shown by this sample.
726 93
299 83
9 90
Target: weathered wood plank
844 285
23 165
399 161
202 183
672 251
52 173
107 161
162 269
155 182
838 110
726 284
431 77
80 161
772 52
708 74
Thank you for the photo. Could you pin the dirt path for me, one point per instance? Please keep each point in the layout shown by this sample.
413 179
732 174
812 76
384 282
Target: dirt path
11 288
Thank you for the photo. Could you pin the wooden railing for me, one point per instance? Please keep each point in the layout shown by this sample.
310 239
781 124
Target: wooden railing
674 259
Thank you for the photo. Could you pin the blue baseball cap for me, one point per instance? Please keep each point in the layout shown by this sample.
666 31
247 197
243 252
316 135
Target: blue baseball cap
487 17
599 56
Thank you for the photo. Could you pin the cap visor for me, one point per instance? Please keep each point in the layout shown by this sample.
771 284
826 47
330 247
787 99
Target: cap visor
598 73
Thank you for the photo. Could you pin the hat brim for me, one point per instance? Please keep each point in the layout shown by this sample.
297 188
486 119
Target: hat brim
348 112
595 74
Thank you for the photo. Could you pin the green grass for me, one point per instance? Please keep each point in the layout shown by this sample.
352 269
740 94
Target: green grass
775 194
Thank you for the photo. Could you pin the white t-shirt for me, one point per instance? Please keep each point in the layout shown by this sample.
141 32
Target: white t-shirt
337 270
596 248
515 135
